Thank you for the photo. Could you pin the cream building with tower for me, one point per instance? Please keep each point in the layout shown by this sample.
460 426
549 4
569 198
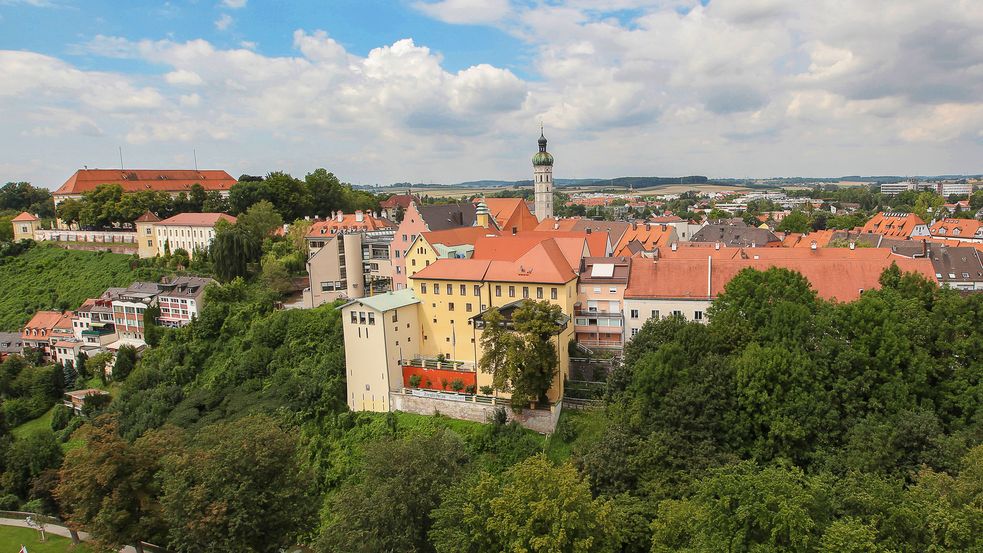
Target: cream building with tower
542 179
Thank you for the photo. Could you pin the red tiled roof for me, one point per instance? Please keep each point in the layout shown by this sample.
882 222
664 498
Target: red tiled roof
649 236
454 269
51 321
197 219
893 225
797 240
136 180
24 216
348 222
398 200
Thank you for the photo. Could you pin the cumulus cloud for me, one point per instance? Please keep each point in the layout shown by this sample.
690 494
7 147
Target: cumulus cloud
725 88
223 22
234 4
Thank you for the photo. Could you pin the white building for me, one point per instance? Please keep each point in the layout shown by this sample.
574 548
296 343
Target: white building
188 231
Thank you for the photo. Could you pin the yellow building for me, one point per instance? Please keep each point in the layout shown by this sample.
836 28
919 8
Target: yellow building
454 291
147 245
24 226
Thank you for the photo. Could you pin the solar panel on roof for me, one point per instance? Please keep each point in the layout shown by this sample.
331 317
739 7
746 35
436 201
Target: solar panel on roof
602 270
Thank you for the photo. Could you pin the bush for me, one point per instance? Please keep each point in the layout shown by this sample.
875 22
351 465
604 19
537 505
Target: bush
443 383
66 433
470 389
415 381
9 502
457 385
487 390
429 383
61 417
19 410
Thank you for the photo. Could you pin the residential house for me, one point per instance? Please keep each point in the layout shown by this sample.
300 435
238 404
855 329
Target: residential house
192 232
737 235
599 312
511 214
614 230
147 245
964 230
420 218
128 309
896 225
11 343
180 300
645 237
382 333
75 400
45 328
393 205
348 256
94 311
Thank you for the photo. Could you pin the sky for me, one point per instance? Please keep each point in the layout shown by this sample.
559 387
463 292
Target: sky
454 90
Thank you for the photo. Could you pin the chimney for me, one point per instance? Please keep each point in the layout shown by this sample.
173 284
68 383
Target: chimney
716 245
341 216
674 246
556 226
359 216
813 245
515 230
853 245
588 230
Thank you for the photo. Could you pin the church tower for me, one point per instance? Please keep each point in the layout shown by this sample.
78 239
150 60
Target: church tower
542 179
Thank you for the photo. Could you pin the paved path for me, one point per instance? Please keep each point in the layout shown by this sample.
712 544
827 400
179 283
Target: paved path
56 530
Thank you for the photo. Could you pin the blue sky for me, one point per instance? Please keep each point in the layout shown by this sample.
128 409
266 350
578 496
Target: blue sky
454 90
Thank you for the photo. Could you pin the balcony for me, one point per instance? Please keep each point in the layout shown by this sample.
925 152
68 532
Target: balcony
440 375
445 364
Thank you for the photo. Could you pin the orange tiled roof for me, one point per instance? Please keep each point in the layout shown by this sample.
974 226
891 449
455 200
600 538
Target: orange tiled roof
509 247
797 240
649 236
398 200
893 225
545 262
136 180
50 321
24 216
947 228
196 219
147 217
348 222
511 212
835 276
458 236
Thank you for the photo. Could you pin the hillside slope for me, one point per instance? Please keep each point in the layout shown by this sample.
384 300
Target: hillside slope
48 277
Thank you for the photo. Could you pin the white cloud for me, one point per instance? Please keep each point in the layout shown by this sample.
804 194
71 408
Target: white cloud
731 88
224 22
234 4
465 11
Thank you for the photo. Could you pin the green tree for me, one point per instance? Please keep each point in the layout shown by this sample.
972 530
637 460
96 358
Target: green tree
520 354
260 220
126 361
110 487
534 506
232 251
796 221
27 458
238 487
388 505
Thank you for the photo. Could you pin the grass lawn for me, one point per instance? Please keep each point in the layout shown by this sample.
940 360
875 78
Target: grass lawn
30 427
575 429
11 538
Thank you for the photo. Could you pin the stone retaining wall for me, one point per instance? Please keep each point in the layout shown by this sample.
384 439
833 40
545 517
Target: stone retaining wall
539 420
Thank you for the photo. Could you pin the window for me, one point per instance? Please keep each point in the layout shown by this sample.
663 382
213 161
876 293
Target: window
423 287
634 331
634 313
511 291
150 242
539 292
467 307
525 292
354 317
395 318
450 289
553 293
450 306
436 288
464 290
371 318
655 314
397 254
361 317
404 238
498 291
597 290
612 290
413 262
677 313
477 290
148 231
399 270
697 315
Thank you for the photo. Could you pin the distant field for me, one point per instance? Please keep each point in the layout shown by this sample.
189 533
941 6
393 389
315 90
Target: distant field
460 192
662 189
